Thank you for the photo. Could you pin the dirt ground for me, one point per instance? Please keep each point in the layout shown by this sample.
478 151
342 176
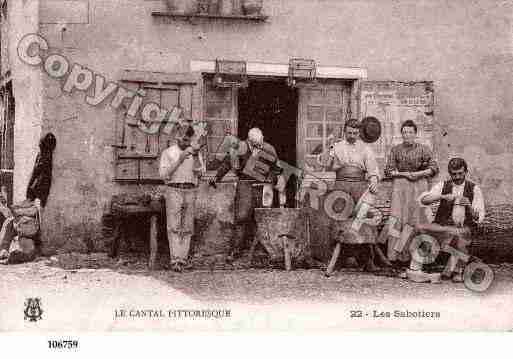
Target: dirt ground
90 293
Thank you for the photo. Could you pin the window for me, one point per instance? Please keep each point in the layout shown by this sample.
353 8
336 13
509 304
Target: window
220 111
324 108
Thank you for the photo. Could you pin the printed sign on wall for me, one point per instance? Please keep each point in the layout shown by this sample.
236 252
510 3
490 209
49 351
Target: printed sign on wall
392 103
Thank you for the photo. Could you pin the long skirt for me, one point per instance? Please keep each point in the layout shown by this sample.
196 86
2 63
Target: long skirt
406 210
342 229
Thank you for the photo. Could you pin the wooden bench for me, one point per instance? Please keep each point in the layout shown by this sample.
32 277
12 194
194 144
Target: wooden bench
121 211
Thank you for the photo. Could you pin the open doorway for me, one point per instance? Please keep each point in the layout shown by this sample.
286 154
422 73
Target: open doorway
272 106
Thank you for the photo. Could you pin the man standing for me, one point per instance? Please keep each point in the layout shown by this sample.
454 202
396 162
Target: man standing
254 162
181 166
356 172
446 226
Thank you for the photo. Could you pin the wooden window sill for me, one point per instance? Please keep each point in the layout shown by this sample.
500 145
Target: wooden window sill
137 156
178 16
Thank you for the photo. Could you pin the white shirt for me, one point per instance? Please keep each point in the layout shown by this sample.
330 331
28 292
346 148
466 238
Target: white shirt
356 154
457 190
184 173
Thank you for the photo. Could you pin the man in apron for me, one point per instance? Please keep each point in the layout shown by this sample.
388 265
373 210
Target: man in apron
356 174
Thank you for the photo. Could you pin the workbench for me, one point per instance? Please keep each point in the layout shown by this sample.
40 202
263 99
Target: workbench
123 209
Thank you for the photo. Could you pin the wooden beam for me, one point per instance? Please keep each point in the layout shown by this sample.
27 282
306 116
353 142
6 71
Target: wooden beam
282 70
158 78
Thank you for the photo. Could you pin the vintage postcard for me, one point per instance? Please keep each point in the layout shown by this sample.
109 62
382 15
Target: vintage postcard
255 165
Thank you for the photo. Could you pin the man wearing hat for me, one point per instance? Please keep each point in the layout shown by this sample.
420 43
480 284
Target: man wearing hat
357 175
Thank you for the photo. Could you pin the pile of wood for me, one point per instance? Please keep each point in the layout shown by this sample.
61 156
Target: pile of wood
493 243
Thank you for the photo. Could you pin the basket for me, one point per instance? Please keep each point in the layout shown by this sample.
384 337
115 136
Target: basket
26 226
26 209
493 242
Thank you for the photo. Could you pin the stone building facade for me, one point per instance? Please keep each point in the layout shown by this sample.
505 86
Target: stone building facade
462 48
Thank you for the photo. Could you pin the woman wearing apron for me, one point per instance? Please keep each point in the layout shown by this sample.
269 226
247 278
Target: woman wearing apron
409 164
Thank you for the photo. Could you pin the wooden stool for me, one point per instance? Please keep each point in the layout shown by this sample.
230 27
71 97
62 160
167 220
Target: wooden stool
281 231
338 249
345 235
128 211
334 257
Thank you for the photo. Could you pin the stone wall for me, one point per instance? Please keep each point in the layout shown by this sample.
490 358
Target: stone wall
464 47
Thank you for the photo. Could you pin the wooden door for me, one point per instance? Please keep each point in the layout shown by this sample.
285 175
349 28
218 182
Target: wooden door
7 111
323 110
220 112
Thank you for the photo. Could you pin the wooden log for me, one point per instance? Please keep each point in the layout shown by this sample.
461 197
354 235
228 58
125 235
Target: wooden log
286 252
333 261
381 255
153 241
116 238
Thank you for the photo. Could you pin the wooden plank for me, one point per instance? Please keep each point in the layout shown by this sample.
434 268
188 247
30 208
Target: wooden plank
355 100
158 77
119 130
197 98
149 169
186 101
168 100
331 265
121 126
135 141
178 16
153 242
127 170
152 140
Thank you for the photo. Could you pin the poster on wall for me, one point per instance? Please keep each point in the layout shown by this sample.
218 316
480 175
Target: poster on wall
392 103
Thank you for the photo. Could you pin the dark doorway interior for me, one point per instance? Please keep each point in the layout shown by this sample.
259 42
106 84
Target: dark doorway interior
272 107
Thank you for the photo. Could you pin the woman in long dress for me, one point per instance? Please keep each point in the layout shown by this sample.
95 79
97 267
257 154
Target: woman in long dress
409 164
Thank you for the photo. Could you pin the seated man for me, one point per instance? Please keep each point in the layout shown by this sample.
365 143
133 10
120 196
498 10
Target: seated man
457 190
38 191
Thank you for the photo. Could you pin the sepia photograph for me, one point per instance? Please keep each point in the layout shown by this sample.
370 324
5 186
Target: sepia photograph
255 165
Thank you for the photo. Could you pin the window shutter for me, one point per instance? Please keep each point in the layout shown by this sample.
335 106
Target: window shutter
138 155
